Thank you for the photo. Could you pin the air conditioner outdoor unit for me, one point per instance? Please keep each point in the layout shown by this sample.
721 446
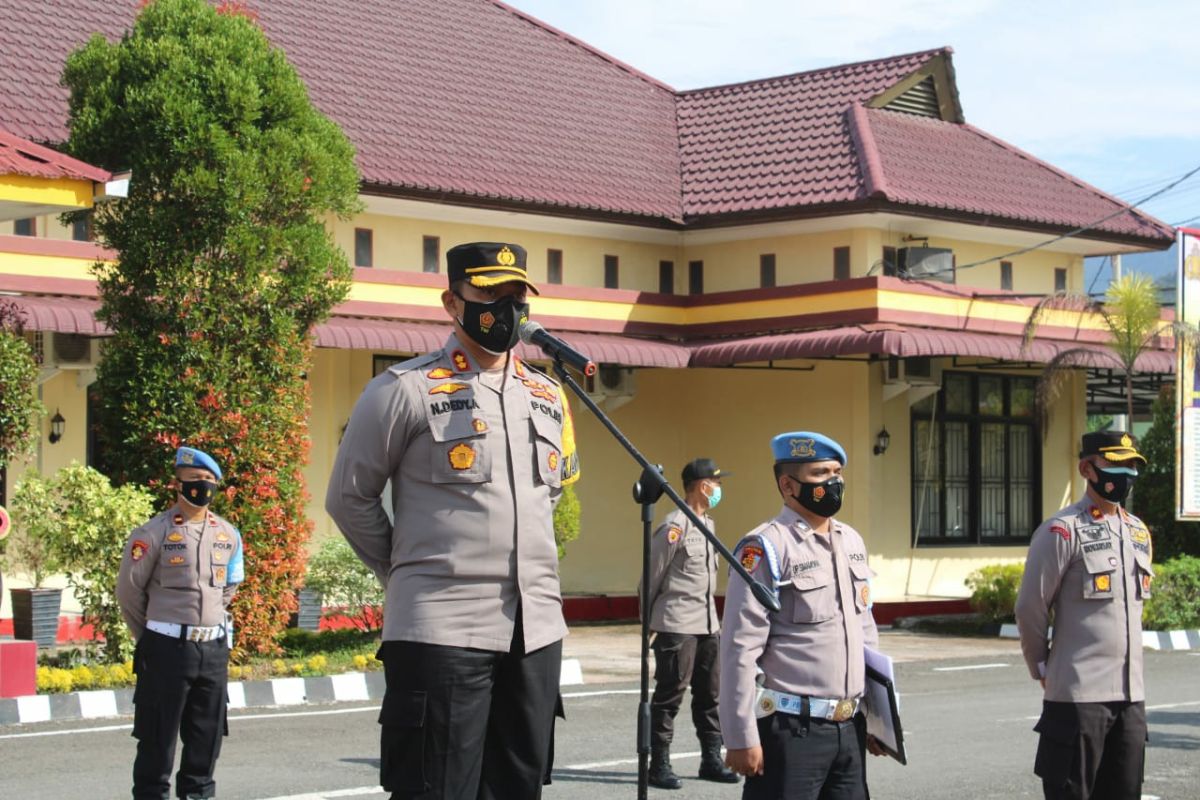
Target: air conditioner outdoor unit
64 350
920 376
612 385
926 263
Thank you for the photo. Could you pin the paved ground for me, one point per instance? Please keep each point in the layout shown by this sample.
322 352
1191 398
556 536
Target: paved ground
968 708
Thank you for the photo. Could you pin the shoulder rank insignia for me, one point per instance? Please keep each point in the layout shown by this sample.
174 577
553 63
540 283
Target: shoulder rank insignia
177 519
462 456
460 361
1095 512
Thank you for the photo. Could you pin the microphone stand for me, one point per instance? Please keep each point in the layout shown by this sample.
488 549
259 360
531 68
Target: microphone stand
649 487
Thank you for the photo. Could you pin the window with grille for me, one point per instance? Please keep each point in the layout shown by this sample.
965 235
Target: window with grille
976 462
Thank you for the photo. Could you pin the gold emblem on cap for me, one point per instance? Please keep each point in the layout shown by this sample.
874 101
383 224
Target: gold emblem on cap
803 448
1126 441
186 457
506 257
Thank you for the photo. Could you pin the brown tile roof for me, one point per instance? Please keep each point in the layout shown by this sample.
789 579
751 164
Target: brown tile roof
22 157
474 102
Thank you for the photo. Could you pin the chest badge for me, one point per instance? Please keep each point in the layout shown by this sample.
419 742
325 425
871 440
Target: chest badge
448 388
440 373
552 461
462 456
176 561
175 536
479 426
1102 583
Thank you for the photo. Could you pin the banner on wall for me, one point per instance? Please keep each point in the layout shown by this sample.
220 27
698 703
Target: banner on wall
1187 383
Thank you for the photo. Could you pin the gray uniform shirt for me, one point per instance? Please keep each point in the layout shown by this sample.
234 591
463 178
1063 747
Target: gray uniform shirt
1086 574
180 572
814 645
474 466
683 577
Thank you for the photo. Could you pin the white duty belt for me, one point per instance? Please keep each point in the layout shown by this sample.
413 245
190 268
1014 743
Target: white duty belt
192 633
769 701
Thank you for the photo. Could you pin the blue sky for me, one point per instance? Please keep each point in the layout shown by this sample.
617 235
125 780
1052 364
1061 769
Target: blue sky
1103 90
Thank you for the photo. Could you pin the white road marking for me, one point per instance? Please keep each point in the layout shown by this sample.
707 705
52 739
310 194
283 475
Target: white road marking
969 666
599 693
232 718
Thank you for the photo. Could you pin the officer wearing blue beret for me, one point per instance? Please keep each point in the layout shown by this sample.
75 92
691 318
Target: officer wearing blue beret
799 734
178 576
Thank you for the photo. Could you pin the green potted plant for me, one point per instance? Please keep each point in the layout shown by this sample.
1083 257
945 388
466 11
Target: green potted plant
30 551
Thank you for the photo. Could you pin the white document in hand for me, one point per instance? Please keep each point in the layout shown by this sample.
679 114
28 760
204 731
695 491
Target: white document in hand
883 704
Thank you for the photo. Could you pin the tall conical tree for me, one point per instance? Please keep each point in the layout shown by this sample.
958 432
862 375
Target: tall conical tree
224 266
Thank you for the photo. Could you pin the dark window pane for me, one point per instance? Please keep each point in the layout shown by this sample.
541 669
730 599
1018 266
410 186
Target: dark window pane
1022 399
927 479
889 261
991 481
1020 481
841 263
766 270
958 394
611 278
1060 280
1006 275
554 266
25 227
430 253
666 277
81 229
991 396
958 479
364 246
695 277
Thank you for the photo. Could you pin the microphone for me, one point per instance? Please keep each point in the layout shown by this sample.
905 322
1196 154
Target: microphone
533 333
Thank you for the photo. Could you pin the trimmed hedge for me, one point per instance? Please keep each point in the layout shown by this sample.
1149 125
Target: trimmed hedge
1174 602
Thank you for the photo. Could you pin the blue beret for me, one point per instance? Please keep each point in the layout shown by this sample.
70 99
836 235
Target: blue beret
799 447
191 457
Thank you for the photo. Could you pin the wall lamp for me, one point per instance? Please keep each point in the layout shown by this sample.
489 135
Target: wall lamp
882 440
57 426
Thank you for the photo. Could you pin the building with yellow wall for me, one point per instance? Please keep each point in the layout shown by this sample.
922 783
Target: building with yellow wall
835 250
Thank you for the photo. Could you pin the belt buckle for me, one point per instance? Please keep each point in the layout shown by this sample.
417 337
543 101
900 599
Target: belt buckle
193 634
843 711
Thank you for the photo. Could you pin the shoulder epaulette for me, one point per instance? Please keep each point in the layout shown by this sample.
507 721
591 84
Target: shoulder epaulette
543 373
415 363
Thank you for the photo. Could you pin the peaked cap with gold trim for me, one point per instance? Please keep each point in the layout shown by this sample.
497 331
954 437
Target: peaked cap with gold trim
485 264
1113 445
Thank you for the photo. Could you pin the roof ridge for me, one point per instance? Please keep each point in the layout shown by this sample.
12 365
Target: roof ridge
947 50
867 151
1129 207
616 62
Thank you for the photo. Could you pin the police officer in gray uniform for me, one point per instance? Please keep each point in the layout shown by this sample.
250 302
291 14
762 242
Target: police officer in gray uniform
178 576
683 616
1087 574
478 446
797 732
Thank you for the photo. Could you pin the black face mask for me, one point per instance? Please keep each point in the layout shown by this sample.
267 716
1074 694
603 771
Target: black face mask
198 493
823 499
495 326
1112 486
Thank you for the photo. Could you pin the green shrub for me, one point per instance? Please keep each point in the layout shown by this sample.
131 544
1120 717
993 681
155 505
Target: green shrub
994 590
345 582
20 409
1174 602
296 642
566 520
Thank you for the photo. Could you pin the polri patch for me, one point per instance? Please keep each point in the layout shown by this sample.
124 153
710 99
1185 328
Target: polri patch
1102 583
462 456
137 550
752 554
673 533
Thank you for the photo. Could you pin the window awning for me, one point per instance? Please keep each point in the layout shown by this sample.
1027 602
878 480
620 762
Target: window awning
902 341
357 333
60 314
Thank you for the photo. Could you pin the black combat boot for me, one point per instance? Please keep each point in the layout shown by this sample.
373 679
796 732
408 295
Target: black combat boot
712 766
661 775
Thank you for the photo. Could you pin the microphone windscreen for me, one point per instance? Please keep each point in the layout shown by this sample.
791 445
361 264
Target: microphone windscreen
528 329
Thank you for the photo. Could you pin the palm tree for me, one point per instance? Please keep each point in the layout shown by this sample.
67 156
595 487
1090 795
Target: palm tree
1131 312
